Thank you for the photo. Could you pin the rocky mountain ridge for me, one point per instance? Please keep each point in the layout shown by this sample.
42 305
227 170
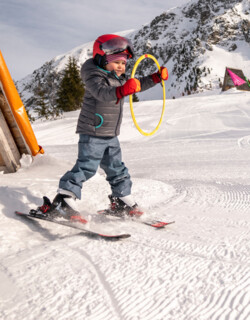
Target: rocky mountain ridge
184 38
196 42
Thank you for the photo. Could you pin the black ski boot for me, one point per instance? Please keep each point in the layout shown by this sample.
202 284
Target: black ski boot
119 208
45 207
60 208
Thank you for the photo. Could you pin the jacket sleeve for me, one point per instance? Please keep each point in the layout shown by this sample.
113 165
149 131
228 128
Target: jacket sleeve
97 85
146 82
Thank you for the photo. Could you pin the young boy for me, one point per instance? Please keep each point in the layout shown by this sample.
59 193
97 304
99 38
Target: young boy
99 125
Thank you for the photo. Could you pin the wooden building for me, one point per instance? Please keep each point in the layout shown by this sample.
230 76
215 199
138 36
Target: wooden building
228 82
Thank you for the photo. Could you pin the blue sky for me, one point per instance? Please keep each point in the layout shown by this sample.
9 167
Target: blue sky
35 31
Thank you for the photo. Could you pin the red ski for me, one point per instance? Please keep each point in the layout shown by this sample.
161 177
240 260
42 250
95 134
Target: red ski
153 223
77 224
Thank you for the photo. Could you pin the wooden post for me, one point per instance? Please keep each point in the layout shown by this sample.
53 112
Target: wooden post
16 134
11 123
9 154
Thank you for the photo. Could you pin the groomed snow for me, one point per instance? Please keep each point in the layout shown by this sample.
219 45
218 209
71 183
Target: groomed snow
194 170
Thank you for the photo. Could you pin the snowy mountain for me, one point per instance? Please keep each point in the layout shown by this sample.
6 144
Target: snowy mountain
195 41
194 170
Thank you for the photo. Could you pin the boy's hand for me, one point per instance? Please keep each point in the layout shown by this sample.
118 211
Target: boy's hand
130 87
160 75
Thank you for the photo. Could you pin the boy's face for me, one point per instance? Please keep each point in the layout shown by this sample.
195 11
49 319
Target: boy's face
118 66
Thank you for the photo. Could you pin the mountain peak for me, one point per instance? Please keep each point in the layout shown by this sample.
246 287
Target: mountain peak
195 41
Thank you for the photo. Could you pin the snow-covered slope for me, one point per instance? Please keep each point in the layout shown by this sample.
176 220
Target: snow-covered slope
194 170
195 41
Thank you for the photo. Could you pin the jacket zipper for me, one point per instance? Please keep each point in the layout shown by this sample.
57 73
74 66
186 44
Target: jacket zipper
116 129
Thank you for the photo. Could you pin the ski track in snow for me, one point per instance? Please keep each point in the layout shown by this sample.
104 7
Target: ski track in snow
244 142
226 196
195 269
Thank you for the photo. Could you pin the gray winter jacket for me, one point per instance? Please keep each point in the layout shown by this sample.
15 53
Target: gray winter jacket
100 115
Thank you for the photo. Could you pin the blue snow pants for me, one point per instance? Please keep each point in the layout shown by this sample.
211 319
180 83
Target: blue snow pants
92 153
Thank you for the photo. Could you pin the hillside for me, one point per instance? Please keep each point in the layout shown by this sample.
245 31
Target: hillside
196 42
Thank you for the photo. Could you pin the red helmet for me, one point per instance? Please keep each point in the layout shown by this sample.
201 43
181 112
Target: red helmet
110 44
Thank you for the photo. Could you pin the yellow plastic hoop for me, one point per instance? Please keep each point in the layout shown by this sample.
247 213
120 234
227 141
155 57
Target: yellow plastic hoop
131 96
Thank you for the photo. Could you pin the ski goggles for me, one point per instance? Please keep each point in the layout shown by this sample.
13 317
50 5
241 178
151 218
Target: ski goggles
118 45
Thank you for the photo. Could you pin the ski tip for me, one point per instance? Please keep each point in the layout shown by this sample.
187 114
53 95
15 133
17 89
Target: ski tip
19 213
125 236
159 224
115 237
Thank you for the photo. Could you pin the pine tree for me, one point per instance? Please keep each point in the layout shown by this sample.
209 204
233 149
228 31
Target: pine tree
71 89
27 109
135 98
42 101
42 105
